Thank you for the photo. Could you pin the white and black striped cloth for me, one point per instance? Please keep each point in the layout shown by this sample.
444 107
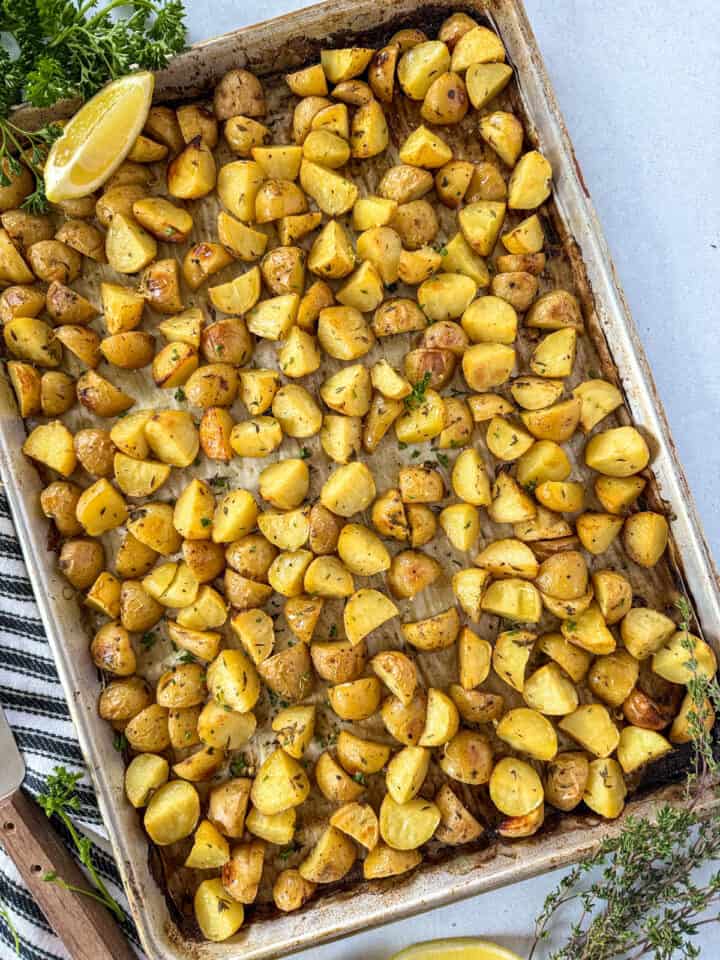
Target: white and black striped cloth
34 703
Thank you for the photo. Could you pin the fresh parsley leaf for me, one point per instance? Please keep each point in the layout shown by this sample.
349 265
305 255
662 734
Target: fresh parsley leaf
417 397
59 798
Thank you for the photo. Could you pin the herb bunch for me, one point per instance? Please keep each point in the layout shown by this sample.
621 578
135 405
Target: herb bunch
67 49
638 895
60 799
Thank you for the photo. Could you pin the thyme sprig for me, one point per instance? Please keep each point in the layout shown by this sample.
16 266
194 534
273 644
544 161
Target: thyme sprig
60 799
639 895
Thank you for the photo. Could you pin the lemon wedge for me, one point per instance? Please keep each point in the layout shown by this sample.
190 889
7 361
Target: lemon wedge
98 138
459 948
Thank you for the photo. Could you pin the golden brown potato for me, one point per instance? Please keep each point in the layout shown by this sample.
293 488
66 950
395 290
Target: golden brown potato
27 384
105 595
647 712
446 100
18 184
84 237
289 673
229 340
244 133
381 72
239 93
530 182
81 561
95 451
410 572
54 260
283 270
228 805
338 661
21 301
291 891
192 174
112 651
162 125
121 700
420 65
645 537
355 699
457 824
407 826
405 722
416 224
118 200
330 859
435 632
130 350
165 220
196 121
27 228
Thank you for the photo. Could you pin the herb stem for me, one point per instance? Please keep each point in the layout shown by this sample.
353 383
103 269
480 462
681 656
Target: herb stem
5 914
59 798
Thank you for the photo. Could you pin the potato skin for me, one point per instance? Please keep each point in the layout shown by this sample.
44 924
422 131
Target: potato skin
446 101
566 779
54 260
58 501
291 890
338 661
123 699
239 93
65 305
84 238
81 561
27 228
95 451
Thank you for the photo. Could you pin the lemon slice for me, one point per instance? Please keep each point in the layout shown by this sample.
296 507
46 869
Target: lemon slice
98 138
459 948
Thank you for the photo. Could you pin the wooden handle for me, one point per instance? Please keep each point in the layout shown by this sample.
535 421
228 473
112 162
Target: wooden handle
87 929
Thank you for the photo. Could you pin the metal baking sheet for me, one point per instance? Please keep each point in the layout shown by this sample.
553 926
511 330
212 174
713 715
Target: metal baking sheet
581 261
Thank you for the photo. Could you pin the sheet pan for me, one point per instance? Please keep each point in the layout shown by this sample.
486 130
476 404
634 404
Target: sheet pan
277 45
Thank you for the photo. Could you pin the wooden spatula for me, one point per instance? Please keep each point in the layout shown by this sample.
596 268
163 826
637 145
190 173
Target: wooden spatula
85 927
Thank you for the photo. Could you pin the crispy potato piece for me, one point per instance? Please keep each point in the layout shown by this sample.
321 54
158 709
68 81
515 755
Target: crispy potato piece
420 65
605 790
217 914
123 699
289 673
433 633
515 787
407 826
291 890
281 783
355 699
239 92
330 859
405 722
457 824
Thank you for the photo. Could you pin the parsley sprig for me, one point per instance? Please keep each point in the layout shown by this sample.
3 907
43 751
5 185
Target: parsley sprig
60 799
67 50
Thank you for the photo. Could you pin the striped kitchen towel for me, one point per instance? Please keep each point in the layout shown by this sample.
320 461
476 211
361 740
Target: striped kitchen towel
34 703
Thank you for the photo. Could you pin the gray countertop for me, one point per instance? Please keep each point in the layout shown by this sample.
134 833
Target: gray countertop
639 86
